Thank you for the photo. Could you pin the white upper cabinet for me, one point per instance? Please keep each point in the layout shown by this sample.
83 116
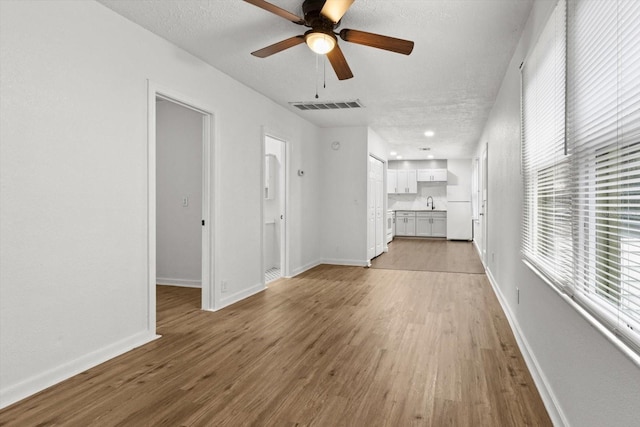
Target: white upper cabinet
407 183
392 181
402 181
432 175
439 175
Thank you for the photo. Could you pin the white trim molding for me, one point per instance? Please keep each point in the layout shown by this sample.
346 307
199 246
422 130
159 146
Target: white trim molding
210 195
228 300
548 397
30 386
304 268
184 283
348 262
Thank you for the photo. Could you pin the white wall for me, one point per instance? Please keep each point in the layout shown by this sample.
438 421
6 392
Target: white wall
344 195
459 179
591 382
418 164
74 173
378 147
178 175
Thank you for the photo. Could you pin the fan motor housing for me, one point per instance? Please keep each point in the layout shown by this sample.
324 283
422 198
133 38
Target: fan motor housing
313 18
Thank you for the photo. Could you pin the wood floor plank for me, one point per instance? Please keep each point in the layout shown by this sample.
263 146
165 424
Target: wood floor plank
334 346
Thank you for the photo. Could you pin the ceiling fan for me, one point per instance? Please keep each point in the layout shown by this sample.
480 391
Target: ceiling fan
323 18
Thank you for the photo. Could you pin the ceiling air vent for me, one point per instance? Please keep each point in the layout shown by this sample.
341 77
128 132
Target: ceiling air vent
330 105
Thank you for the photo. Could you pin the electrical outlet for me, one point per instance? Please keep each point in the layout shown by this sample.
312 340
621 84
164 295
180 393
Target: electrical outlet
185 202
518 295
224 285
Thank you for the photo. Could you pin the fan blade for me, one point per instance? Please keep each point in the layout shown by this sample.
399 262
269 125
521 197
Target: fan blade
277 11
335 9
339 63
376 40
278 47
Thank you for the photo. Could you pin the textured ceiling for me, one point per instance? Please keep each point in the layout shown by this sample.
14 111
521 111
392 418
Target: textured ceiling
448 84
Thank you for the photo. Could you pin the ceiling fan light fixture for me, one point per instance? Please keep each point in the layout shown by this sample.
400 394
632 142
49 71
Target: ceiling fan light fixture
319 42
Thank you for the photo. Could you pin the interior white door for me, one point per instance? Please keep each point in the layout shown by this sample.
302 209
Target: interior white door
484 206
379 205
375 208
371 210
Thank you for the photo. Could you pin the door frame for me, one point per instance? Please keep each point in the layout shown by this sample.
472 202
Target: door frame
484 192
210 194
285 231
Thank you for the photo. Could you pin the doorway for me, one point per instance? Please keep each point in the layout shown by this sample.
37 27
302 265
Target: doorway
178 195
274 209
200 202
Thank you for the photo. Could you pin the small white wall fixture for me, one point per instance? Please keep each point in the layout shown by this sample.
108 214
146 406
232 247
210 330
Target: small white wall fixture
210 194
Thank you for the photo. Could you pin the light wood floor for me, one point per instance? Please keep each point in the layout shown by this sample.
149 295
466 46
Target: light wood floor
430 255
336 346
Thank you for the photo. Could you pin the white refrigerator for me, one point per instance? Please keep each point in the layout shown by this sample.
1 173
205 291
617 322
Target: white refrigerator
459 224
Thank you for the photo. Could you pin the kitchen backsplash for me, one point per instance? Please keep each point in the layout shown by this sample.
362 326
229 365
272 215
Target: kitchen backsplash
398 202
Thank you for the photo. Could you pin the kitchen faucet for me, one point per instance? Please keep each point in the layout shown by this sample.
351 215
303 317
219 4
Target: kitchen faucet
432 207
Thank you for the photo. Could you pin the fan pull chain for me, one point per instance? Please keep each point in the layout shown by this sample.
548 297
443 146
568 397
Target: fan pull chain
324 69
317 76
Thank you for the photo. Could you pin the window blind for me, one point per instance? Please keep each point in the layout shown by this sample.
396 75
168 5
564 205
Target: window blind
603 135
547 199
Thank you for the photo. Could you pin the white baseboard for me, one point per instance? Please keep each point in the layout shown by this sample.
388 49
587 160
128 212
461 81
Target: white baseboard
546 393
304 268
349 262
227 300
309 266
185 283
39 382
475 243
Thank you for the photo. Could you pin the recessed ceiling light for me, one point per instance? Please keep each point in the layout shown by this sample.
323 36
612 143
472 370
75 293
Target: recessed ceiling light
429 133
399 157
393 153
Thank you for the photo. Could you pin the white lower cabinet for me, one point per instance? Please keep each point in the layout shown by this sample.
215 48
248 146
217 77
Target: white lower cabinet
405 223
439 226
421 224
431 224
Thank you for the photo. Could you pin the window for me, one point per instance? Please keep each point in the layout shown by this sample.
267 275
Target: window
603 133
547 212
581 159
